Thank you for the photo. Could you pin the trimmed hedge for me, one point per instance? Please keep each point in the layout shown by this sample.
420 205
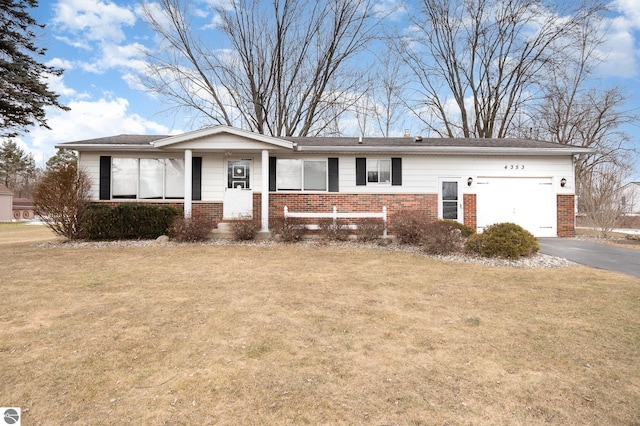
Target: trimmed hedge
127 221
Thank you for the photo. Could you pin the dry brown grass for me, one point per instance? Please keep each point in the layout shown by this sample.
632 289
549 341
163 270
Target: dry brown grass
20 232
202 334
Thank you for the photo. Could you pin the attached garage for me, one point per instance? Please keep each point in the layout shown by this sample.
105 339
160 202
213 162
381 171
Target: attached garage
527 201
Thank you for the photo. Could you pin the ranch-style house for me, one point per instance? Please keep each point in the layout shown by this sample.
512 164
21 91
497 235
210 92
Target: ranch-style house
227 173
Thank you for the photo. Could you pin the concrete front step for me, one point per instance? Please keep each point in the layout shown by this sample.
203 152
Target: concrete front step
224 231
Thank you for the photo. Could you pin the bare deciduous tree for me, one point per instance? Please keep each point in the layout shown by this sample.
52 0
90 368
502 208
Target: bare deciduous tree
601 199
283 72
479 63
388 91
574 112
61 197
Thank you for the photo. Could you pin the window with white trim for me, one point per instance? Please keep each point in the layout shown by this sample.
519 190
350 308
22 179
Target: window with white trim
378 171
298 175
147 178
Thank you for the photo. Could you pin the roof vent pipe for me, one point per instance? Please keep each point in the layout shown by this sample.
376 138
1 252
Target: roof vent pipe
360 140
418 138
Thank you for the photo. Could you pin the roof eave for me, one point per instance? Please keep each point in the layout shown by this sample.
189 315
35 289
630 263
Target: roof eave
442 150
105 147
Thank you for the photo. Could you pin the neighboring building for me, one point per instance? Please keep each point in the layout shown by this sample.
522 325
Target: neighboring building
23 209
229 173
6 203
631 198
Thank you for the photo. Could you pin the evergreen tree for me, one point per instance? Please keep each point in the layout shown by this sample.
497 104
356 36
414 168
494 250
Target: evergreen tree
62 158
17 169
23 93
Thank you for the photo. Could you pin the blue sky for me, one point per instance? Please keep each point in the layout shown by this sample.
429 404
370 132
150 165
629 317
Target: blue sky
100 44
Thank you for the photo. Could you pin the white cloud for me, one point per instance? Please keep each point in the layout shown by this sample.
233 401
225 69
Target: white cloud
620 52
391 9
630 9
60 63
88 120
56 84
93 19
117 56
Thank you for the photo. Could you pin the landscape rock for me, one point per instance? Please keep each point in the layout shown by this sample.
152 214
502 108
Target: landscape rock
384 242
162 239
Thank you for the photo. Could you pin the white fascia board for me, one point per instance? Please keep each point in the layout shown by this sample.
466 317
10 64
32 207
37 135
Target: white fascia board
441 150
217 130
106 147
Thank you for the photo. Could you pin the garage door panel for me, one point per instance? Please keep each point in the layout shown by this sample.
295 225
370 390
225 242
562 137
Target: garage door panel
528 202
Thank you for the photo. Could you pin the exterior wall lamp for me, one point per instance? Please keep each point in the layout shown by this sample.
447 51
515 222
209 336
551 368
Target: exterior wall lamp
563 182
469 181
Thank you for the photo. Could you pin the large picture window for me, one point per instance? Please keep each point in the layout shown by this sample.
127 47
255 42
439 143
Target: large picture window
297 175
147 178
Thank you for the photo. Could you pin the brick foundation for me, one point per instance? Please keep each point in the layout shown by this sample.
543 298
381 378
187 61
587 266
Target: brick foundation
366 203
566 216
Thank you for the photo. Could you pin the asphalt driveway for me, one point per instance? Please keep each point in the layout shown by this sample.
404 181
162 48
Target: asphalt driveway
597 255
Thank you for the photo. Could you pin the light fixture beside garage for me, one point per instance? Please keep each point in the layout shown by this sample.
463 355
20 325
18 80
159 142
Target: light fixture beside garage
563 182
469 181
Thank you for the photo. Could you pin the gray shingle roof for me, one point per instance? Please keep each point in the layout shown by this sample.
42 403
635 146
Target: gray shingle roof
426 142
357 145
119 140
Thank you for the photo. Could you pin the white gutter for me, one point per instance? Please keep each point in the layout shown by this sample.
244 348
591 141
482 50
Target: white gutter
107 147
440 150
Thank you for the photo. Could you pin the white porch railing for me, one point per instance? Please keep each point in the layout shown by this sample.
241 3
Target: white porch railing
335 215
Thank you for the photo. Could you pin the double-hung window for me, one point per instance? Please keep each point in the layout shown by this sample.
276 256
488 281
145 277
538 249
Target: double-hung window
301 175
378 171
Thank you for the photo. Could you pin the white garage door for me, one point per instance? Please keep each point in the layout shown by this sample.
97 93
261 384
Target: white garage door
528 202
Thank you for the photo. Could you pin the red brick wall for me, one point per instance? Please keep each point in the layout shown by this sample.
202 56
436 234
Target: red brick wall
349 203
566 215
470 215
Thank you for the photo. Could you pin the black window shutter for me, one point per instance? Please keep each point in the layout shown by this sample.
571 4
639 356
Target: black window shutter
196 178
361 171
334 185
105 177
396 171
273 161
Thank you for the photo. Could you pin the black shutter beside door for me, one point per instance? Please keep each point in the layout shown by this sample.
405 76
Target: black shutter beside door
273 161
196 178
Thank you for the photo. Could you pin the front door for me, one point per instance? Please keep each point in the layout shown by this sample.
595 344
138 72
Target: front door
450 201
238 196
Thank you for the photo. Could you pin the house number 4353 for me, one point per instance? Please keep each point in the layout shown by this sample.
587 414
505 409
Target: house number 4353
514 167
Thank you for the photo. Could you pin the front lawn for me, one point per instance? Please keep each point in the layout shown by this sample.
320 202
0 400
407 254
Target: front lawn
302 334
